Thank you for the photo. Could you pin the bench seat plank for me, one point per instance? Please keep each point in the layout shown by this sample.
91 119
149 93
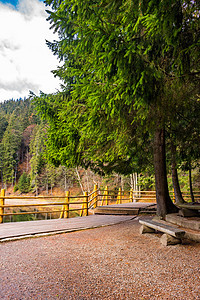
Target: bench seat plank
171 230
195 206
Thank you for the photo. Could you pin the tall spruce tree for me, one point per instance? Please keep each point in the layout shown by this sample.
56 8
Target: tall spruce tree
119 57
11 143
24 183
37 150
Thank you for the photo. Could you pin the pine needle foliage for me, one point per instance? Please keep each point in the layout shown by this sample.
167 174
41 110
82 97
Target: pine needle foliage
24 183
118 58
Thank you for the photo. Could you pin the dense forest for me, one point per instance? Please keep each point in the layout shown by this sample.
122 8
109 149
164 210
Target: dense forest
22 145
24 165
23 161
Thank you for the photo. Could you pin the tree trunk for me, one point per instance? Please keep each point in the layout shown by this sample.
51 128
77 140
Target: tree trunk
36 185
164 203
190 182
122 183
1 179
139 194
27 161
136 184
79 180
47 185
131 179
175 181
15 177
13 172
65 182
87 180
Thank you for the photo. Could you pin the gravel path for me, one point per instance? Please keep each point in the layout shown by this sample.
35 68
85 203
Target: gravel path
113 262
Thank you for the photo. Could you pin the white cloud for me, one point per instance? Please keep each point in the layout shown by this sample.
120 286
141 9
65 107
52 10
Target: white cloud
25 60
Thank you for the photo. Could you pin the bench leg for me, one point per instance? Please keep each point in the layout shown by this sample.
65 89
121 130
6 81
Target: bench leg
167 239
145 229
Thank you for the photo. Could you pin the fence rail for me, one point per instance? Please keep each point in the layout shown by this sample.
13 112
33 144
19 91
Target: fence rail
68 206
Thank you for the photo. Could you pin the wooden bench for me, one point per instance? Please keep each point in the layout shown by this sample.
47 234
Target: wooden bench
189 209
172 235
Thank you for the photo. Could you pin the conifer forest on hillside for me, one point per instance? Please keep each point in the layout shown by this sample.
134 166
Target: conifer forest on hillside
23 161
25 168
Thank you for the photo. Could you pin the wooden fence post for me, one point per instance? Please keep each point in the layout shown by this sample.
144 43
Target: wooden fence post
2 202
173 197
66 206
119 196
106 195
131 195
86 203
95 195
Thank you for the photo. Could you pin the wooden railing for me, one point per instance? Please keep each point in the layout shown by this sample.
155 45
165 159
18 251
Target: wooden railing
61 206
68 206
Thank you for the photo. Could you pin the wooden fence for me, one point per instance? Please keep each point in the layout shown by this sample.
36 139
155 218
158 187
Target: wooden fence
68 206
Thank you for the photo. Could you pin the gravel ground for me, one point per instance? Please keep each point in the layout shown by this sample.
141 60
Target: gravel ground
113 262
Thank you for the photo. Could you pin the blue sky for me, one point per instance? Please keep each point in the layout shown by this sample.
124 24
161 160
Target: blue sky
13 2
25 60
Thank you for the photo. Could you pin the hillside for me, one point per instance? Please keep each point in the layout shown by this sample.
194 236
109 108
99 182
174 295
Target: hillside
23 154
24 166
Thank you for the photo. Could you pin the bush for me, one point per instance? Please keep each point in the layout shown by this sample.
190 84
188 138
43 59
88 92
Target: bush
24 183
